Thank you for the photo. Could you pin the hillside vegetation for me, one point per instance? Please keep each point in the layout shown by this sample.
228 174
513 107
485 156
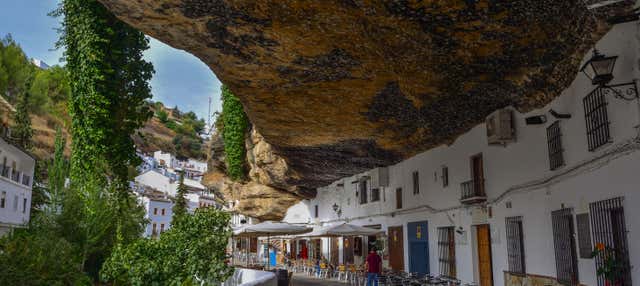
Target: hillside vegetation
169 129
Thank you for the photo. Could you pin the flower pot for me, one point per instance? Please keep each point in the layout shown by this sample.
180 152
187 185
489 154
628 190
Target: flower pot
612 283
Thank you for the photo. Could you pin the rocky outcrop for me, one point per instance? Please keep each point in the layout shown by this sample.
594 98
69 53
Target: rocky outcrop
340 86
265 195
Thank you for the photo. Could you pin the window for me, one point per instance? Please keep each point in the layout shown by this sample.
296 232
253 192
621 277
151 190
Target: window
15 203
162 211
316 211
554 142
609 227
416 183
445 176
398 198
363 192
161 227
24 205
447 251
153 230
584 235
155 211
515 245
564 246
375 195
596 119
3 199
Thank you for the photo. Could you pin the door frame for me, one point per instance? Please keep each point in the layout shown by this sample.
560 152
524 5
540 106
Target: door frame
400 228
476 261
411 241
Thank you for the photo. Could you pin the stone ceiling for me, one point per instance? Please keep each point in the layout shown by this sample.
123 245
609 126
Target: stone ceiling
339 87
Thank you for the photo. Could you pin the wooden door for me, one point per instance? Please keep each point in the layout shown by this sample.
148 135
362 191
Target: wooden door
396 248
477 173
484 255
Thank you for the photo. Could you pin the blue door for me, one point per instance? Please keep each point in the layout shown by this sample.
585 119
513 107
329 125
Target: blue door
419 263
418 239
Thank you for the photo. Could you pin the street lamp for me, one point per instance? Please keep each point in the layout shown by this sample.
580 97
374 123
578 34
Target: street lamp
599 69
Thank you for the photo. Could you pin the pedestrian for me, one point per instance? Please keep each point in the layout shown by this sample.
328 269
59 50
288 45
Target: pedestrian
374 267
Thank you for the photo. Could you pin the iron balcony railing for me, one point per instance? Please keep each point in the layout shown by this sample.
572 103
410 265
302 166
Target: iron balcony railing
26 180
4 171
15 176
472 189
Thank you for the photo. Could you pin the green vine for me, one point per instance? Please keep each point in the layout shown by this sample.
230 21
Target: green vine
109 86
235 127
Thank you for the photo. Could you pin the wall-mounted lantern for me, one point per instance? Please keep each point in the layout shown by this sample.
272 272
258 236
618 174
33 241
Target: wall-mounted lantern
599 69
337 209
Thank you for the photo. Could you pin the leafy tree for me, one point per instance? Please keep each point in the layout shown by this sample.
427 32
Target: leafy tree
180 205
50 91
21 130
15 69
235 128
189 253
58 170
37 256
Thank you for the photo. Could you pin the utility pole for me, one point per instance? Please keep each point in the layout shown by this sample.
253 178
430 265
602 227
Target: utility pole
209 118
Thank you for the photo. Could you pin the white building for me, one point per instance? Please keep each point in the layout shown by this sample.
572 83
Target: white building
166 160
525 213
40 64
158 209
155 180
16 180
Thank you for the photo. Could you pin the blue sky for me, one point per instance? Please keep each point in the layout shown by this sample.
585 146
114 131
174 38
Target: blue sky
181 79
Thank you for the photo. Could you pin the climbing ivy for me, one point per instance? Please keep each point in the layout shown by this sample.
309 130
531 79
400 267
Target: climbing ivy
109 86
235 127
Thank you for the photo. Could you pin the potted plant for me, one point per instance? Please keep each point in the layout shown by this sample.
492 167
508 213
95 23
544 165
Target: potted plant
611 268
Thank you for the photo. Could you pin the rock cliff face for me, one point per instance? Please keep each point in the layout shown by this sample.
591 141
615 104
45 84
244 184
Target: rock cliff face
340 86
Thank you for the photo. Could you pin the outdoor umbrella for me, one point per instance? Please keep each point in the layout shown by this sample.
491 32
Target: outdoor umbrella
268 229
344 229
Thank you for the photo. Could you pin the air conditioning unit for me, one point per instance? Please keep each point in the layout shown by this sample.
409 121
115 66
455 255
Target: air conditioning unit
500 127
379 177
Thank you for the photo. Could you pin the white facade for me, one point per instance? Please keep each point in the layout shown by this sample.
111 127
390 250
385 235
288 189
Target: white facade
164 159
157 181
16 180
518 181
159 213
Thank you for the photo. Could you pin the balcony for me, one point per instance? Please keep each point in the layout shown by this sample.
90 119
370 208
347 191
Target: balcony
4 171
15 176
472 191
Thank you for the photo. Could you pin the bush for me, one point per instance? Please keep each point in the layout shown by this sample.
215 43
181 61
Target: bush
163 116
190 252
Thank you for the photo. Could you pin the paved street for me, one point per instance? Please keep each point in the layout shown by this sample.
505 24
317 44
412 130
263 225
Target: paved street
300 279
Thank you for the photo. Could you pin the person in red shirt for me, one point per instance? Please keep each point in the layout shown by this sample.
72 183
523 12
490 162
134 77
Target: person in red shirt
374 267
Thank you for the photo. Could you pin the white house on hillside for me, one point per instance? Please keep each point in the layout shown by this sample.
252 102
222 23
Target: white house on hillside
158 208
16 180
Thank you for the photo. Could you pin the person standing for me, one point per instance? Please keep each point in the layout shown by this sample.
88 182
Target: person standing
374 267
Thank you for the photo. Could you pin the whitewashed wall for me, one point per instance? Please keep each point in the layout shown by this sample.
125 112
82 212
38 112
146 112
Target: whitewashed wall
15 211
159 218
506 171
